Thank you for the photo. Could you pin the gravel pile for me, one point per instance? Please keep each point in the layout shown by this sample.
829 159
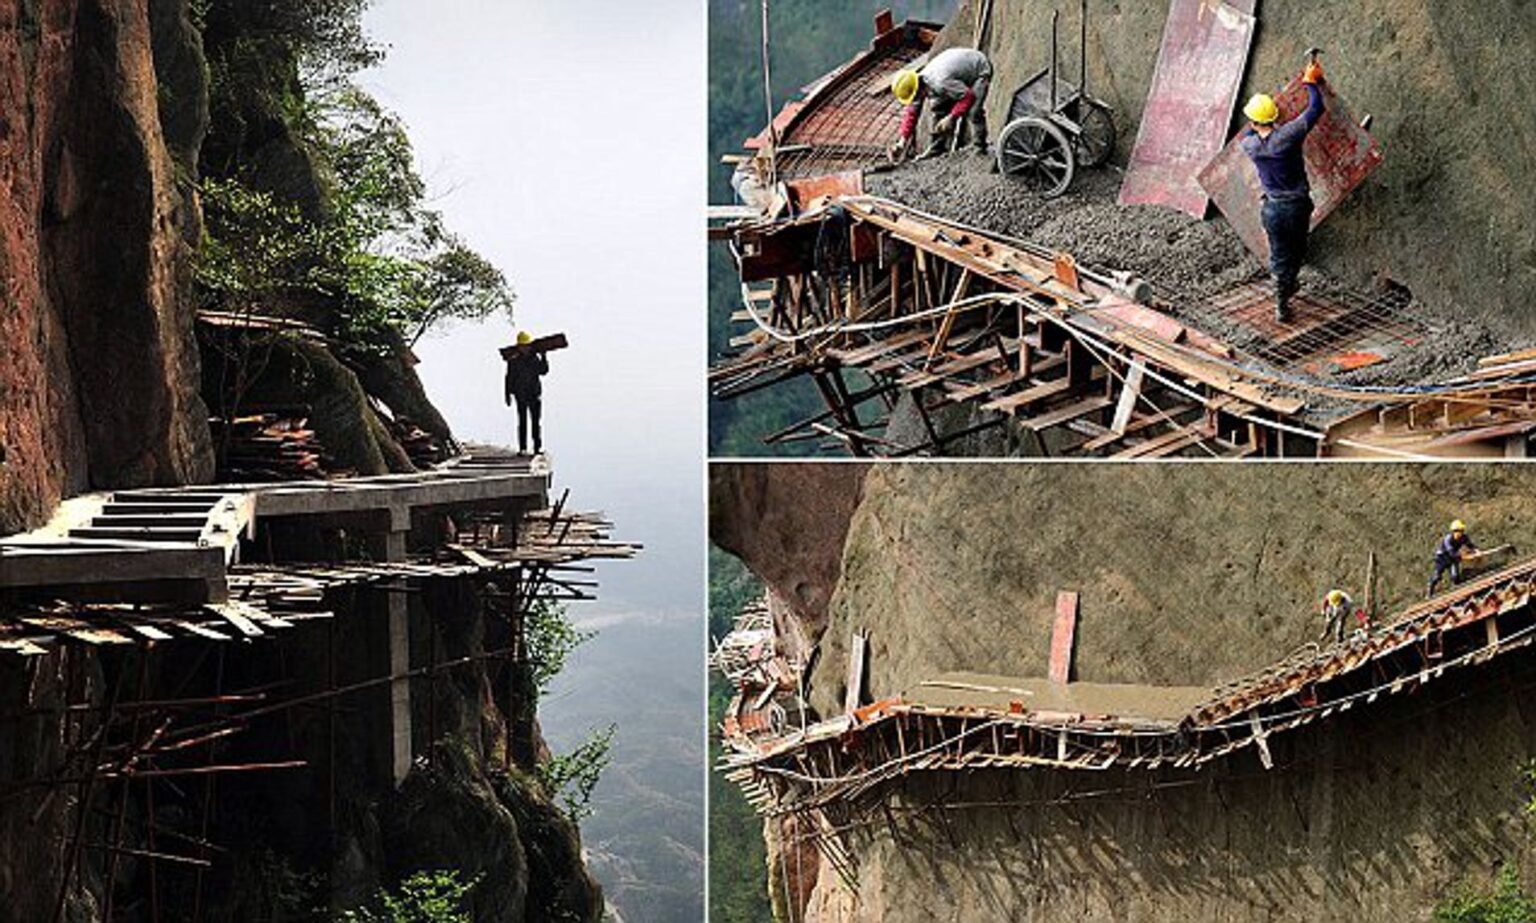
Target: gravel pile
1186 260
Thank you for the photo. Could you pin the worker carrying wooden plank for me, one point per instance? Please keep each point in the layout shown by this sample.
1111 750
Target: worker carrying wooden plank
527 364
1277 154
958 80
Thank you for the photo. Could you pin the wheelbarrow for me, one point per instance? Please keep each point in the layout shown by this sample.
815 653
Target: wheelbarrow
1053 126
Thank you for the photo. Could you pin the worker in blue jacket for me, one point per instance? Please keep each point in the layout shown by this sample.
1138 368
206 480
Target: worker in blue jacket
1276 151
1448 555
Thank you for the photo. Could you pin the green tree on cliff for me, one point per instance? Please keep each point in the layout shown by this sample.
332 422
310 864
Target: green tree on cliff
297 151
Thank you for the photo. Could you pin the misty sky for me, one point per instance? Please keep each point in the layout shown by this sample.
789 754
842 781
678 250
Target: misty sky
561 141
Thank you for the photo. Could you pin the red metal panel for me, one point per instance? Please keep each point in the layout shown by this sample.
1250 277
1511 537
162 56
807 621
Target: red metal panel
1063 635
1189 107
1340 155
802 192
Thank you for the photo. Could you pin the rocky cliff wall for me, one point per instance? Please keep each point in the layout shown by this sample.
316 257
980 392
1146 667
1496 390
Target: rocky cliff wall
788 523
94 226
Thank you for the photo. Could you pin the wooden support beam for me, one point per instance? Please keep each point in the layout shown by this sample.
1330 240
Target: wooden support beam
858 658
1261 740
1129 395
399 666
1072 411
1011 403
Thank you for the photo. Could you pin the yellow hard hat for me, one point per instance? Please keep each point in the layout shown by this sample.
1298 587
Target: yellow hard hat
1262 109
1336 597
524 338
904 85
1458 526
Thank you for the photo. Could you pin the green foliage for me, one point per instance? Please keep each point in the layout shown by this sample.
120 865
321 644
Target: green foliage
573 777
404 272
256 248
266 886
551 638
425 897
324 36
1507 902
731 587
313 201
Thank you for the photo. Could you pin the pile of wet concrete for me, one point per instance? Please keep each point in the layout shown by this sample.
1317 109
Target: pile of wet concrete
1187 260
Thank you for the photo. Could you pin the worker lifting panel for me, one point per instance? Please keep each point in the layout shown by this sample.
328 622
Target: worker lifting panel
1339 155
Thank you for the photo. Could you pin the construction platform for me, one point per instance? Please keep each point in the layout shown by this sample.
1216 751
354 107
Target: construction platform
873 300
967 721
154 633
847 120
156 565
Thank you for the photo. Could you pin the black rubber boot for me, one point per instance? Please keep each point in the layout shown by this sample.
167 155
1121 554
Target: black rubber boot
1283 309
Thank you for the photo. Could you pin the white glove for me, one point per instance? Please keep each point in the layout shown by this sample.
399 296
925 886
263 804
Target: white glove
942 126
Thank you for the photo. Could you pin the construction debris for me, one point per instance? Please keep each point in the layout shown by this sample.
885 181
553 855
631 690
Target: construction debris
268 447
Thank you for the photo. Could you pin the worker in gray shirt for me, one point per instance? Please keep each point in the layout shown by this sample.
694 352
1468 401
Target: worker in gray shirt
957 79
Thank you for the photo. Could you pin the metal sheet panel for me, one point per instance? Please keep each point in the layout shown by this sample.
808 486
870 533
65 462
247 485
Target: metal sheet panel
1339 153
1189 106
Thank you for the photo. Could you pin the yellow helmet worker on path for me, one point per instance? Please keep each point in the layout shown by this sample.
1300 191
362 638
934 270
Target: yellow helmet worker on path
904 85
1458 526
524 338
1261 109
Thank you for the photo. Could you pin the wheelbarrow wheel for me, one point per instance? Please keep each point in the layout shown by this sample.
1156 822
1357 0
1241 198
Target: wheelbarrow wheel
1096 136
1038 154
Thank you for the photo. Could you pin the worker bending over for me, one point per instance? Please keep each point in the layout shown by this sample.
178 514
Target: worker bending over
524 369
1276 152
958 80
1448 555
1337 608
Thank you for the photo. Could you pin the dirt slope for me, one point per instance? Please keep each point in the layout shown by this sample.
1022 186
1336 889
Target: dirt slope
1188 574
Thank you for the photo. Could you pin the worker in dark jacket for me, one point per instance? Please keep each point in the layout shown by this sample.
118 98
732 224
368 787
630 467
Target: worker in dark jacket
524 369
957 79
1276 152
1448 555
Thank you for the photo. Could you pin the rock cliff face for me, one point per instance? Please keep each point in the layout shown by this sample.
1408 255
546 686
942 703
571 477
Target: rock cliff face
93 247
788 523
1189 575
1445 82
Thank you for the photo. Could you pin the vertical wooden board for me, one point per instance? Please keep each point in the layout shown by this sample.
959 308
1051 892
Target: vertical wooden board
858 654
1063 636
1189 105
